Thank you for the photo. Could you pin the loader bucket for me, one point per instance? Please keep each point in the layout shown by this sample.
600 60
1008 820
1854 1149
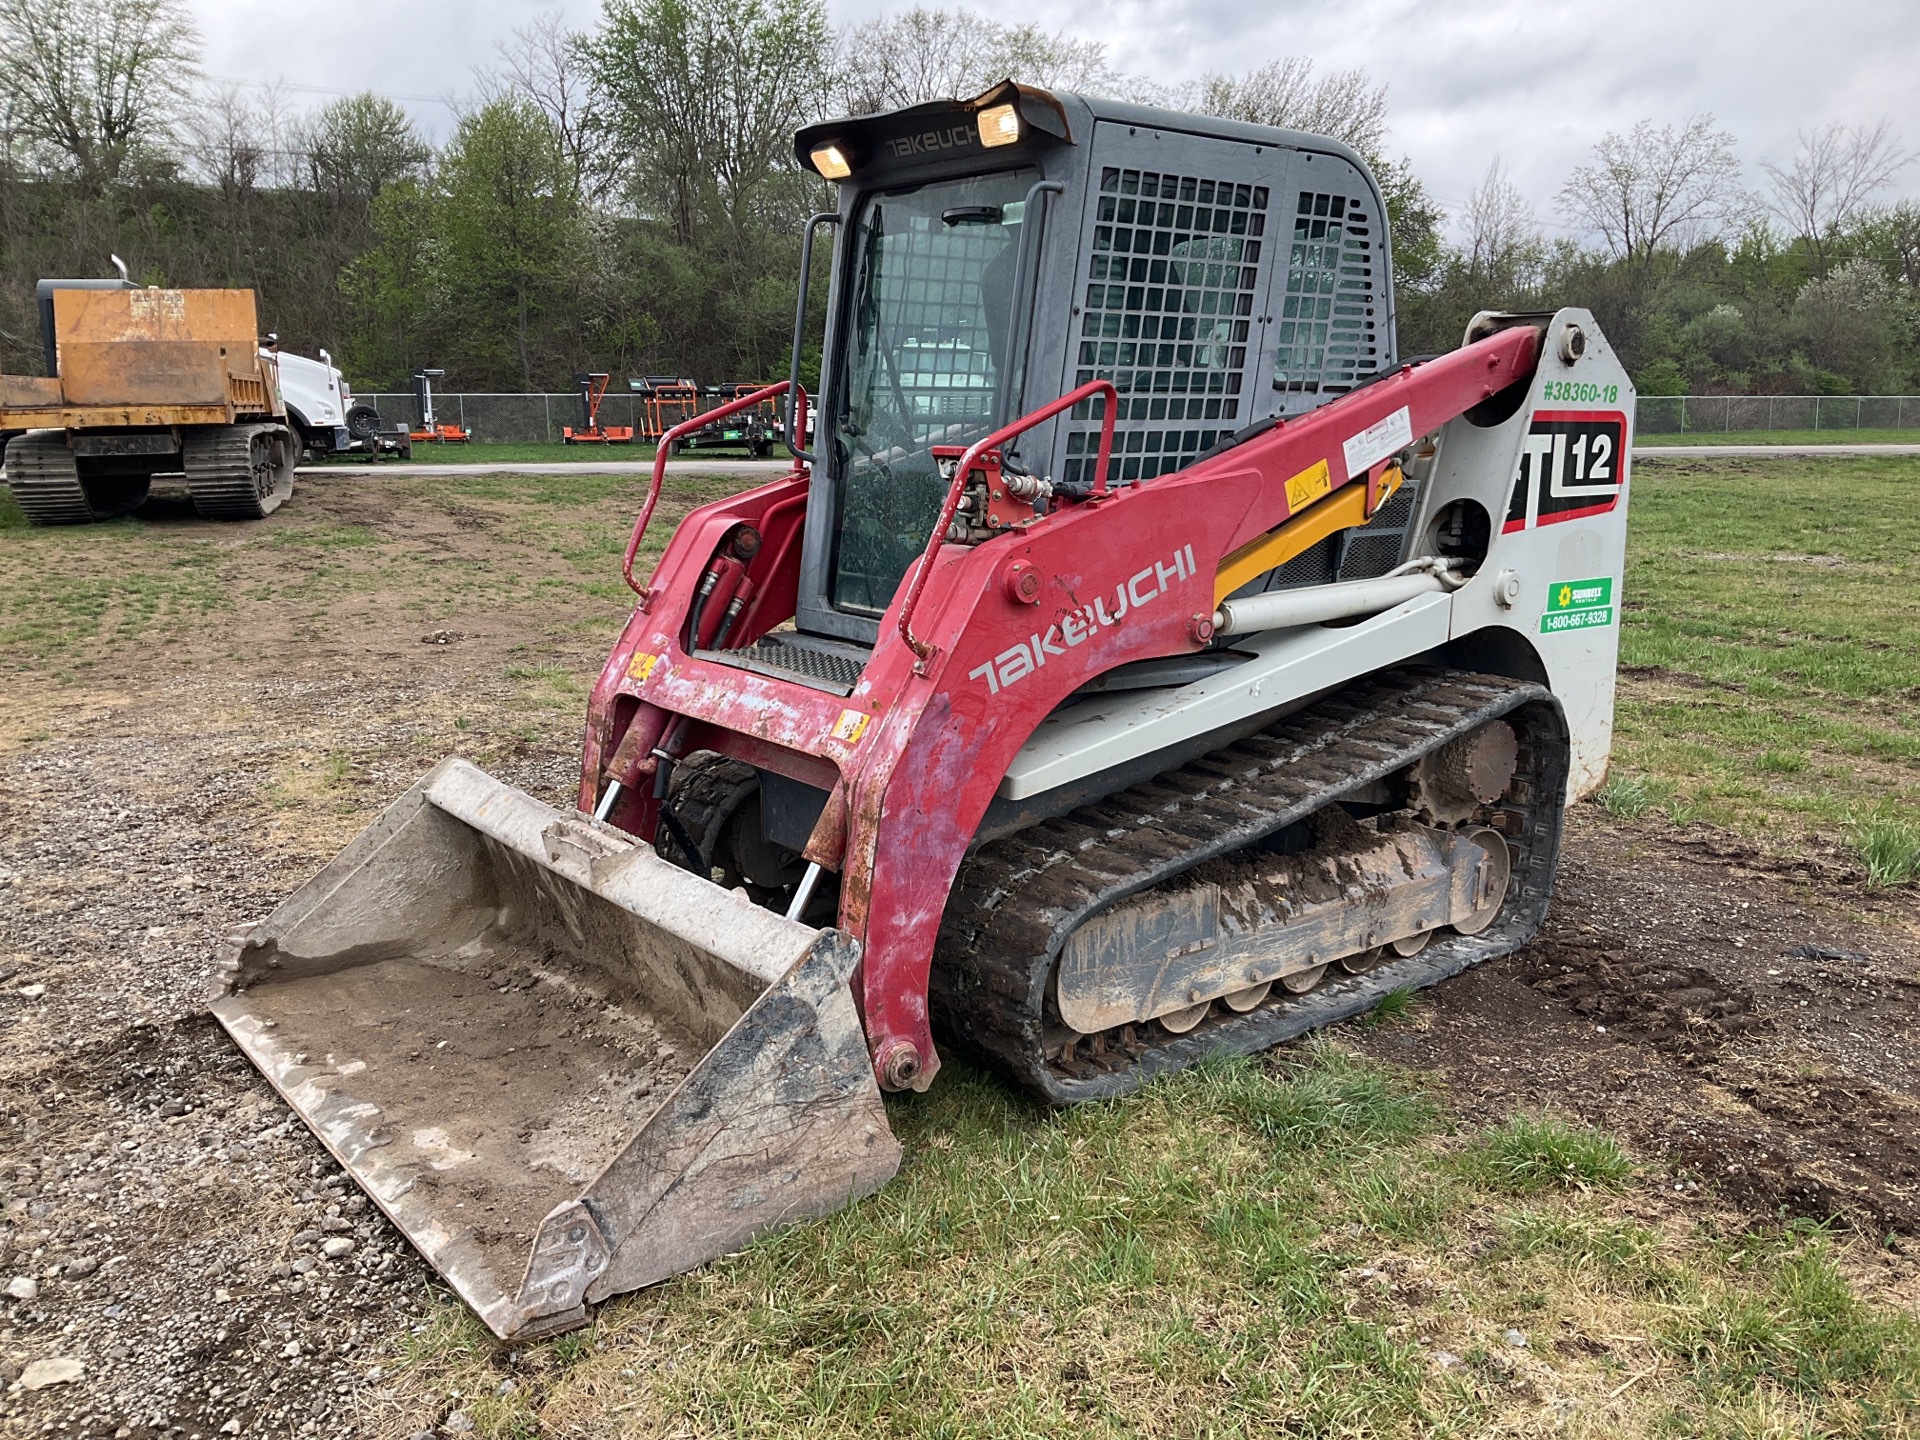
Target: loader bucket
564 1067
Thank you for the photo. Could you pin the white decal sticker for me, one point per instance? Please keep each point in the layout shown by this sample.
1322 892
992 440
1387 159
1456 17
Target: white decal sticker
1013 665
1377 441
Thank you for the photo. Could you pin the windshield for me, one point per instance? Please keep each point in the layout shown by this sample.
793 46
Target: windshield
926 336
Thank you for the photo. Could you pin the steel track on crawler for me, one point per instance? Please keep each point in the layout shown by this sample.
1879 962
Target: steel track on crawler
46 481
220 474
1016 901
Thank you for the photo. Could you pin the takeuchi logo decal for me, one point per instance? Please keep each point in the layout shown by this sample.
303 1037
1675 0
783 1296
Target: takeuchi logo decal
1014 664
931 142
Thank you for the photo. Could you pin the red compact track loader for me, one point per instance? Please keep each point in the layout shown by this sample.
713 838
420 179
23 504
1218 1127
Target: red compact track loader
1144 665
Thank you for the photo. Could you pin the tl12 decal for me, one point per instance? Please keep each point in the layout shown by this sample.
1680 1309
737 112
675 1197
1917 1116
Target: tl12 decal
1572 464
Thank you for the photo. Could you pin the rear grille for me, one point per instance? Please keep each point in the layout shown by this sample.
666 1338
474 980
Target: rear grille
823 664
1381 543
1328 340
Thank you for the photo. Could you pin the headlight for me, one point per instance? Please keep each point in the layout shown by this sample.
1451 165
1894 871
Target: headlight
999 125
830 161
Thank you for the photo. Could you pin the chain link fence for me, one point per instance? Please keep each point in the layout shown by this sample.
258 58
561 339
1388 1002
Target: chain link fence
1723 414
537 419
520 419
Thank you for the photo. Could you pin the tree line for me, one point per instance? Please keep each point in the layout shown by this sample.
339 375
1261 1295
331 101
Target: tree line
624 198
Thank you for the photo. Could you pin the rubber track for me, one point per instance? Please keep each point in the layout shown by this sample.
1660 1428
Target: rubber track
220 475
46 481
1016 901
706 789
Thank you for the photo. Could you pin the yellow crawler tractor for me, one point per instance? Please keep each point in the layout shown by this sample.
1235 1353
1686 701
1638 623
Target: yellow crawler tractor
141 382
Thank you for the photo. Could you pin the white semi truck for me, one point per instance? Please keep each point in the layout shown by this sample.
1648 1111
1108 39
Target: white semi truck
321 408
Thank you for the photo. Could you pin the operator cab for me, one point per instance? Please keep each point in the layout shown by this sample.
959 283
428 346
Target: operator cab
991 254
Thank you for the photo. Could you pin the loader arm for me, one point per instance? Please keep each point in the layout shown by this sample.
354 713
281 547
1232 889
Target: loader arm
913 755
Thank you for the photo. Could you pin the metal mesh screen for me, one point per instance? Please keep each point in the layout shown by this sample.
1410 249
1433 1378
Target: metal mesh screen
1380 544
1170 295
930 291
1325 341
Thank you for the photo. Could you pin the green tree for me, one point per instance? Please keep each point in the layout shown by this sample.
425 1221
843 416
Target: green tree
704 95
393 289
359 144
512 240
1850 323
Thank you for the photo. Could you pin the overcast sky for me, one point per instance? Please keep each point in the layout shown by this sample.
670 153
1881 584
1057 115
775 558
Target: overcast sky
1535 83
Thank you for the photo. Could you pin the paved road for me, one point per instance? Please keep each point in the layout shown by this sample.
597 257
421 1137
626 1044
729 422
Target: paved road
778 467
1798 452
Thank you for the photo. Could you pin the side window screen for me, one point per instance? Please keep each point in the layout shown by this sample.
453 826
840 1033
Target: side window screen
1324 336
1170 293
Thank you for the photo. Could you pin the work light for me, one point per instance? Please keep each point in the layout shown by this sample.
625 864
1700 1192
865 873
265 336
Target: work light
999 125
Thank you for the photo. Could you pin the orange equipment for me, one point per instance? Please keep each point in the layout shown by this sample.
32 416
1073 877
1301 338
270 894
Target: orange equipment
426 424
140 382
593 389
667 402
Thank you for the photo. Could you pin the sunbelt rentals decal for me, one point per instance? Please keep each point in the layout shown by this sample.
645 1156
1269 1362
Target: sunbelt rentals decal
1018 661
1578 605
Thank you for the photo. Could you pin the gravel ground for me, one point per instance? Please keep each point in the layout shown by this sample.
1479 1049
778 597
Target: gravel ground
179 1255
180 1258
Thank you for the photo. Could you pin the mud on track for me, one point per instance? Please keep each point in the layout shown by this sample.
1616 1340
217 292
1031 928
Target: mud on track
1745 1027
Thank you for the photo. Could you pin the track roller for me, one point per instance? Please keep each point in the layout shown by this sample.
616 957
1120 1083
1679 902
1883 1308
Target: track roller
1156 902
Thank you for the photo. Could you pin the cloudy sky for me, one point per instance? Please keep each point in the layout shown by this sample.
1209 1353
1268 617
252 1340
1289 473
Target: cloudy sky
1534 83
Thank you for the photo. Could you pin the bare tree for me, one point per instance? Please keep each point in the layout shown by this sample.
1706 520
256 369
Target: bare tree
543 62
1344 104
97 86
240 142
1652 188
923 54
1831 178
1504 248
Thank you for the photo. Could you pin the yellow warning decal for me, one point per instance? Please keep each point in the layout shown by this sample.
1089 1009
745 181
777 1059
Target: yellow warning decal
851 725
641 666
1308 486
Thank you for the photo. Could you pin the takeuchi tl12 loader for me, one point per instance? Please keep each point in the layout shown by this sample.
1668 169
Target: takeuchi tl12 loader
1145 664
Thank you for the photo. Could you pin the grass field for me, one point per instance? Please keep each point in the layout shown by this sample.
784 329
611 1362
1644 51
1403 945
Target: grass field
1304 1247
1780 437
150 579
1310 1244
1772 652
496 452
499 452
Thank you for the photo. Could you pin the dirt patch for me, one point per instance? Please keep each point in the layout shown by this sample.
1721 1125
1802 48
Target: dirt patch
1660 674
1685 1010
177 1232
1748 1027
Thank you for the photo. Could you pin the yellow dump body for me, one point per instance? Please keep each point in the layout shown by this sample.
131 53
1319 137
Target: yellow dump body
140 357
